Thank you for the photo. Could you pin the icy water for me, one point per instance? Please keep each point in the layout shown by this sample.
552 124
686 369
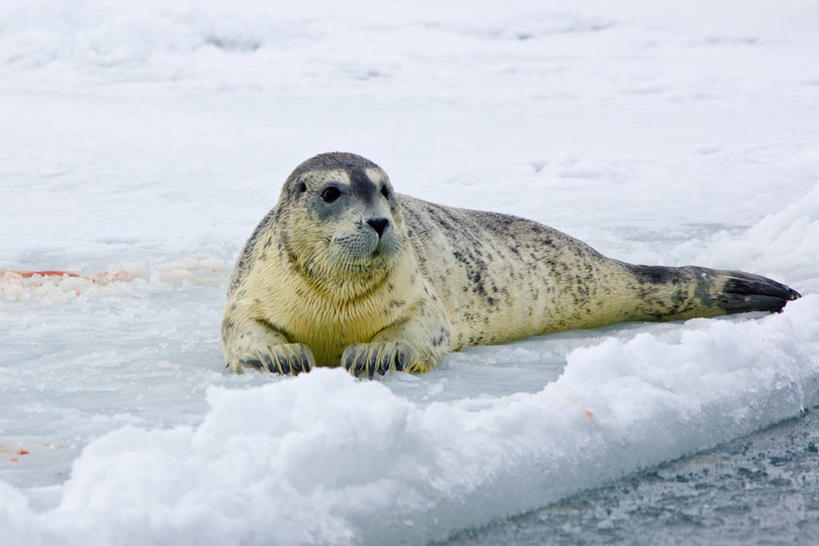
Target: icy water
758 489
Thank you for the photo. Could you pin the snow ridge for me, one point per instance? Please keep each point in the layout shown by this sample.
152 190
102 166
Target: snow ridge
326 459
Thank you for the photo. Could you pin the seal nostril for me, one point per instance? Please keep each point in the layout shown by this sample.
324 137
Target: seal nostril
378 224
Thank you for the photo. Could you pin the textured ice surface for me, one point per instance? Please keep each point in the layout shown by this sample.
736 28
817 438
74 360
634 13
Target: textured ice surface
309 459
150 140
757 489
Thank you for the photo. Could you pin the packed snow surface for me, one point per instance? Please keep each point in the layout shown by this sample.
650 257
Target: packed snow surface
141 145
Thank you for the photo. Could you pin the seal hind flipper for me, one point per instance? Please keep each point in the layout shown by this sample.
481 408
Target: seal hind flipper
691 291
748 292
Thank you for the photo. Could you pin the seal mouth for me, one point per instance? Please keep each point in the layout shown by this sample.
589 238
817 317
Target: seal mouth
363 267
378 258
378 250
362 250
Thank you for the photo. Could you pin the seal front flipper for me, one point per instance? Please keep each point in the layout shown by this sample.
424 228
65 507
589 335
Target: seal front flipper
422 330
289 358
414 343
255 343
377 358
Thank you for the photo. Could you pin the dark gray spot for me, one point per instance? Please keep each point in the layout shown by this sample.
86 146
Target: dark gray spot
361 186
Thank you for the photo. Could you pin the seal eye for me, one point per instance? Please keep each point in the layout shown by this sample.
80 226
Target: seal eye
330 194
385 192
302 187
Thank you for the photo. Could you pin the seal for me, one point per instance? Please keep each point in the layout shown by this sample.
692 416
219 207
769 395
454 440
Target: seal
344 271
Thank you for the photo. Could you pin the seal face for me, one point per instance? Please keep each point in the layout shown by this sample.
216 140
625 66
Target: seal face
340 221
346 272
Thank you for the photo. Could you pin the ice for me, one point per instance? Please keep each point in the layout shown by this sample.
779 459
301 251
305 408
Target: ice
59 286
142 144
324 458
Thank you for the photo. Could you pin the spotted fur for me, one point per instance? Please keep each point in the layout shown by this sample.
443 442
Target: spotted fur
310 288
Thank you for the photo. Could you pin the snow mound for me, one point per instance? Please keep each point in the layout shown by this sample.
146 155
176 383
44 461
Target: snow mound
784 242
324 458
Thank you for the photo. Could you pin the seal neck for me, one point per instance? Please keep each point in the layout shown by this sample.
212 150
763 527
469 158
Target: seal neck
342 286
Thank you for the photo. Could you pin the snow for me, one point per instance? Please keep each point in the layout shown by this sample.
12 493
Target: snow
148 142
325 458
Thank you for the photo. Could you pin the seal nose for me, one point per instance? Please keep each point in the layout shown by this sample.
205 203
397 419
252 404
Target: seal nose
378 224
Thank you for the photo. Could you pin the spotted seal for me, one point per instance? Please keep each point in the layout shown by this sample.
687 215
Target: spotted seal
344 271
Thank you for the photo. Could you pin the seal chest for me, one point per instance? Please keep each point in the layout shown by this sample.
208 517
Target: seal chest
343 271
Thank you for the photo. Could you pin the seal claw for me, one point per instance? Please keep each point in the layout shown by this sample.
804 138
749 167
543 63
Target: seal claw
376 358
285 359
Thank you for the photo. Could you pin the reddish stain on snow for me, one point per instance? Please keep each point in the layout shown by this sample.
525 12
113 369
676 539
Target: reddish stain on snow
105 277
576 402
29 274
22 452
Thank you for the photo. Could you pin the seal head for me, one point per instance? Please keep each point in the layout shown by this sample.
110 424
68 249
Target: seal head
337 218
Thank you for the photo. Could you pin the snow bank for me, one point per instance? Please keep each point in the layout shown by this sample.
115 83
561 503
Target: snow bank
327 459
784 243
